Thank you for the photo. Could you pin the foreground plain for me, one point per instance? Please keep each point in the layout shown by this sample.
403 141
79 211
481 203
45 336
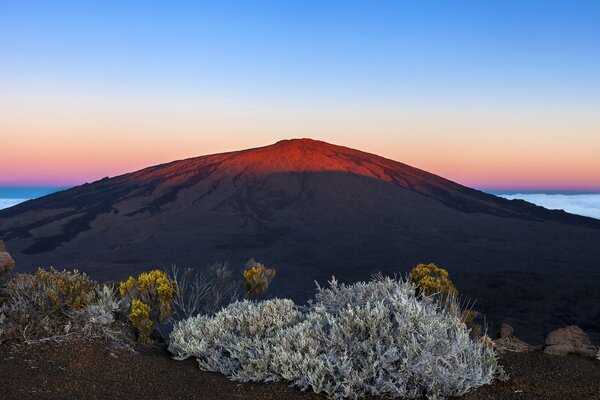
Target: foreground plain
95 370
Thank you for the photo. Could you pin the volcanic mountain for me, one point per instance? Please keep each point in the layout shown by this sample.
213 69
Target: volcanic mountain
313 210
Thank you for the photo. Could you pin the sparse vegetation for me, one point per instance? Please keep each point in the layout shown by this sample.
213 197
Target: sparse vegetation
373 338
53 291
55 305
149 298
257 277
203 291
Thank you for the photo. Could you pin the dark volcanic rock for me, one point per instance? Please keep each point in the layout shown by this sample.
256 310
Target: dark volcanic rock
313 210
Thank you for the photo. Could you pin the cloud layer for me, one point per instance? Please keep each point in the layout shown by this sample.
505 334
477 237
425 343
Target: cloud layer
582 204
5 203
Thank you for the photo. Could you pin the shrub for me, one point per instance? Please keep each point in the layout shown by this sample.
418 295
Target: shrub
53 305
431 279
150 300
434 281
140 319
97 319
104 308
375 338
53 291
241 330
257 277
203 291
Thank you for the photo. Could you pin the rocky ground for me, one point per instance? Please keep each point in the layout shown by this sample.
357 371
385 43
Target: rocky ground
95 370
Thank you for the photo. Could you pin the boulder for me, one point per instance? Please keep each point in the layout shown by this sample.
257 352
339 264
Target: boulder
6 265
6 261
507 342
571 334
569 340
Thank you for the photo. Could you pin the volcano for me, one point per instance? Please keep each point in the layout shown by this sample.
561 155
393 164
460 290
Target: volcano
313 210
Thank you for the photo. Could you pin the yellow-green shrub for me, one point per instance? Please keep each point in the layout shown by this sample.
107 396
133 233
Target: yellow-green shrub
257 277
140 319
150 297
431 279
53 291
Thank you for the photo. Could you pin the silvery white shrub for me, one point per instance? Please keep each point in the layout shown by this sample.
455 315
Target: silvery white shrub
233 342
102 311
94 321
369 338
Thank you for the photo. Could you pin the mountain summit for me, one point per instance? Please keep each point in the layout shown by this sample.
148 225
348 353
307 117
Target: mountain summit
314 210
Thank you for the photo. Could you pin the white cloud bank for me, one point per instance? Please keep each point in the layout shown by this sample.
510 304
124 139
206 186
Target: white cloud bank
582 204
5 203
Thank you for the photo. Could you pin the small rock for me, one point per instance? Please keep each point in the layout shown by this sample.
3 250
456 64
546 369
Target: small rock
506 331
507 341
569 340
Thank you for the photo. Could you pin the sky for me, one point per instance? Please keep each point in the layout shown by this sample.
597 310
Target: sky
494 95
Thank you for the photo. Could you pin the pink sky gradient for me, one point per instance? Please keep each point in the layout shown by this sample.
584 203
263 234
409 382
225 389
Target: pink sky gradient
69 138
47 161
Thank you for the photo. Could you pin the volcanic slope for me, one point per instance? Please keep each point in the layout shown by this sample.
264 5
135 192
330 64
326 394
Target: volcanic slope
313 210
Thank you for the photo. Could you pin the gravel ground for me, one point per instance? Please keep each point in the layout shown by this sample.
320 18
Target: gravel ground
96 371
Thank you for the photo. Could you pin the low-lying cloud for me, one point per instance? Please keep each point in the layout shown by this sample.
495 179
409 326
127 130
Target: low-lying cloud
582 204
5 203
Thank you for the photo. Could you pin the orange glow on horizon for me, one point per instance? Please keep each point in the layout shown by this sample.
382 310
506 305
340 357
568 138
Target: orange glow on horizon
47 139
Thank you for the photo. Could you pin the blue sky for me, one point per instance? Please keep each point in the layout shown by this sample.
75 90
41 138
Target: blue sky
504 46
418 81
